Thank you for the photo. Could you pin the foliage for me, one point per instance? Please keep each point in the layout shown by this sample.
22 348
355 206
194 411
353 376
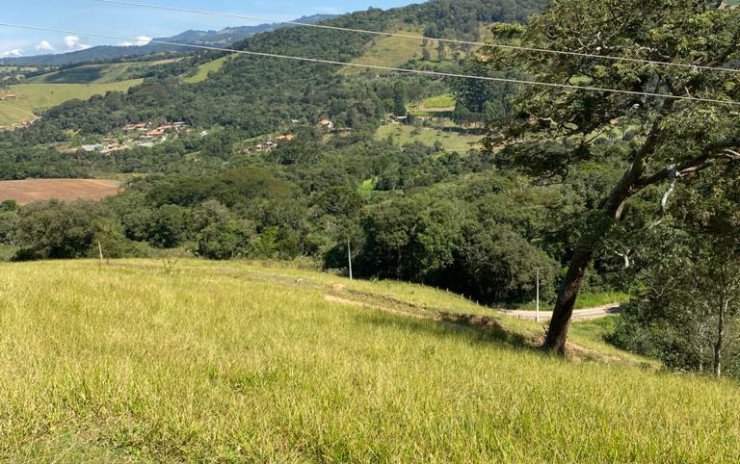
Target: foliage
686 310
555 129
48 230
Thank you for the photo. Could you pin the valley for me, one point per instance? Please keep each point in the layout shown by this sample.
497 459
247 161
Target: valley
514 243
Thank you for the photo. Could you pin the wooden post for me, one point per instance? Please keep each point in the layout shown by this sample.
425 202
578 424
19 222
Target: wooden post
349 258
537 316
100 250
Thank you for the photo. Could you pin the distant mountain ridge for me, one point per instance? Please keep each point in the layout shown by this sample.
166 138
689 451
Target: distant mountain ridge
220 38
231 35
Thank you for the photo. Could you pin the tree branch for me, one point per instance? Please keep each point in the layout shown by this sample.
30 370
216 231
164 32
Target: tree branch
722 149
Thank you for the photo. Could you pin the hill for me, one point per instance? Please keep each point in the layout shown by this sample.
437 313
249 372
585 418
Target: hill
33 99
280 159
188 361
232 35
112 53
279 90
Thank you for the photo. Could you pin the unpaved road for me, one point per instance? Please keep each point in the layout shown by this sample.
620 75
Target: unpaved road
578 315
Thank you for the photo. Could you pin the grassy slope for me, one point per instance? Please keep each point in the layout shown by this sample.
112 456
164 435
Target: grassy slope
99 73
451 141
390 51
34 98
394 51
205 69
237 363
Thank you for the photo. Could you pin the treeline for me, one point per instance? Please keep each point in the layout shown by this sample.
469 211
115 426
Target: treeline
413 213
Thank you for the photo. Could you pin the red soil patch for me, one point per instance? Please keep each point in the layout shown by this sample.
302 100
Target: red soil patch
26 191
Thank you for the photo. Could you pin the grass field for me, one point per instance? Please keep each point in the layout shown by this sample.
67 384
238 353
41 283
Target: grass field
451 141
33 98
440 103
389 51
26 191
205 69
237 363
100 73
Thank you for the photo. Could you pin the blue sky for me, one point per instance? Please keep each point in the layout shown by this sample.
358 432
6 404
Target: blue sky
139 24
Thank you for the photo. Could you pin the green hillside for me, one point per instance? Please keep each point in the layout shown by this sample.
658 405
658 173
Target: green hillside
450 141
202 72
32 99
140 362
103 73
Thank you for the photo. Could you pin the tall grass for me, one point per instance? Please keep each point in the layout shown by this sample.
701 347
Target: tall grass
126 363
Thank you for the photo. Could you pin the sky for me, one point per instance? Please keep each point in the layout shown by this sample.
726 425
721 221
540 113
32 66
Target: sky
135 26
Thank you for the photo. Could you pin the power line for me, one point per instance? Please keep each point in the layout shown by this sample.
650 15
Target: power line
279 21
689 66
389 68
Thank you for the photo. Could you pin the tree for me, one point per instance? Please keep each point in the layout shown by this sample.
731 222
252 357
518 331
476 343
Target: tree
56 230
399 99
225 239
672 138
168 227
426 55
442 51
690 286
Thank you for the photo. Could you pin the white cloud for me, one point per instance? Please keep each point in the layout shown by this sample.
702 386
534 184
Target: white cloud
139 42
15 53
45 46
73 43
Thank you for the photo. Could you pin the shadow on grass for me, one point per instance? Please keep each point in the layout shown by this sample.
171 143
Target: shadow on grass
472 330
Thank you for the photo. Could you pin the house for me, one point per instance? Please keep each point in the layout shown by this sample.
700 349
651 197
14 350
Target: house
93 148
10 96
155 133
326 124
287 137
133 127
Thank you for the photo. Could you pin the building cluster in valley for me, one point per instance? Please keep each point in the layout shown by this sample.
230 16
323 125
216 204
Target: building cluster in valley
269 145
139 135
149 134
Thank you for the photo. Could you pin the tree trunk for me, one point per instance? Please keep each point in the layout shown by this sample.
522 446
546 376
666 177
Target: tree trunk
720 341
630 183
557 333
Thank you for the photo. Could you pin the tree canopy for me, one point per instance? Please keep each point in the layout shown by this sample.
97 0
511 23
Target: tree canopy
648 47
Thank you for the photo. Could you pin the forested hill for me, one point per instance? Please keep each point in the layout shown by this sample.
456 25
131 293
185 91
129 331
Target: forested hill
259 95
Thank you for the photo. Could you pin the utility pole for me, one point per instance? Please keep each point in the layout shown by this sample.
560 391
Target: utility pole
537 316
349 258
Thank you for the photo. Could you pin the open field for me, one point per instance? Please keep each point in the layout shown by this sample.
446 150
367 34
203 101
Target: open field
396 51
34 98
389 51
26 191
205 69
451 141
210 362
100 73
438 104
